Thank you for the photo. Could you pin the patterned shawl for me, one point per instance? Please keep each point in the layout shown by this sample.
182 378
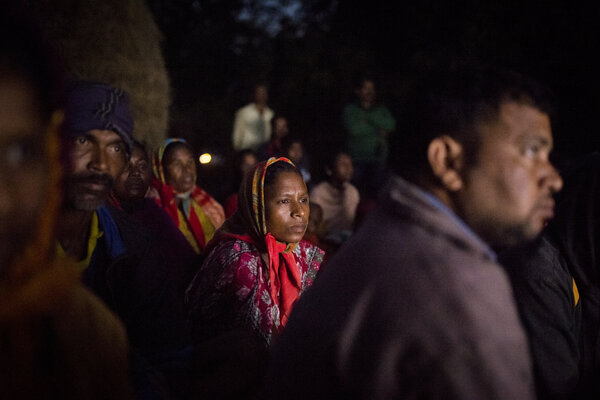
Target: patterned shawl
249 224
202 214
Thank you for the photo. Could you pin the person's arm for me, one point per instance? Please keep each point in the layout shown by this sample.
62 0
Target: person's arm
220 286
383 120
350 200
237 136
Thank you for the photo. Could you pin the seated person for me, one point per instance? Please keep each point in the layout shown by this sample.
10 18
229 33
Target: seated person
294 150
58 339
267 236
193 210
338 198
244 161
128 194
274 147
117 257
257 264
315 224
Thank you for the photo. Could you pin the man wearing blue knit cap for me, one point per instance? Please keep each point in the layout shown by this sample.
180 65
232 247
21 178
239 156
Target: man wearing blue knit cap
97 106
101 126
116 256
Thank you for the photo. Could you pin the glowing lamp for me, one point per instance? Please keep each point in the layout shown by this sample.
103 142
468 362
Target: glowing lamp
205 158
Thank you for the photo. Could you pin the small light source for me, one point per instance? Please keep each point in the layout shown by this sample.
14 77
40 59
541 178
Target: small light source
205 158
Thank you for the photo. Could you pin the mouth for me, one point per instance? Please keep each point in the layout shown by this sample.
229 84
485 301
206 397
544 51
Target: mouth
546 208
134 184
93 183
298 228
94 187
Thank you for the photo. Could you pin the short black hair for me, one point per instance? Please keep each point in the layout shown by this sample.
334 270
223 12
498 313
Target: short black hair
360 79
452 100
332 157
289 140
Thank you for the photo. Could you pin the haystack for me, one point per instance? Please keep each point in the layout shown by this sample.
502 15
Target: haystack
118 42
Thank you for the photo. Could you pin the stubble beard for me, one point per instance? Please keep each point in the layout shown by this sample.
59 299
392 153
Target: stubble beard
82 198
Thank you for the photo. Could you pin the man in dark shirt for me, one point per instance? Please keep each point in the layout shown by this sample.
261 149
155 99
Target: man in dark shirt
414 305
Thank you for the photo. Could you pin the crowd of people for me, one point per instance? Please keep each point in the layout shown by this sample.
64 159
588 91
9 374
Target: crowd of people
120 277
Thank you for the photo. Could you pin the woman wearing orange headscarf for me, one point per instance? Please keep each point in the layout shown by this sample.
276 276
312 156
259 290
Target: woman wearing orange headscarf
193 210
257 264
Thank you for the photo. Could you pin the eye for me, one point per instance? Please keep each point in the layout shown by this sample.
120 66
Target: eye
532 150
19 153
304 200
143 166
284 201
81 140
117 148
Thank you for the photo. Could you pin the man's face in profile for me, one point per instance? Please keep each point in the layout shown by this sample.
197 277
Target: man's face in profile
507 193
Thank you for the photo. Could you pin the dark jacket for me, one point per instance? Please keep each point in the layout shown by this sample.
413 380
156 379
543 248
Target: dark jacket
412 306
545 295
137 285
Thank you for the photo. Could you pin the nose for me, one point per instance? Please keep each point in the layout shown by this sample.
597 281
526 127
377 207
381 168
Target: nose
553 179
133 170
190 168
298 209
98 160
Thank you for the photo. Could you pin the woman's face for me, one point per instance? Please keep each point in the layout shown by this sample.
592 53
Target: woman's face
180 169
287 208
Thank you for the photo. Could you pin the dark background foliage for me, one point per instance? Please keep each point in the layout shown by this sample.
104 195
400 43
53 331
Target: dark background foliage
310 53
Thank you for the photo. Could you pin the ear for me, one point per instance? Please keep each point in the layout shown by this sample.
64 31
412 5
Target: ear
445 158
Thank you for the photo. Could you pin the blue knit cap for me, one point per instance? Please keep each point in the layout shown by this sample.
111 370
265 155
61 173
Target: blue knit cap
93 105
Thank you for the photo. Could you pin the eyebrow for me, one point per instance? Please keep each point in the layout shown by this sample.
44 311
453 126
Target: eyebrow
540 139
289 193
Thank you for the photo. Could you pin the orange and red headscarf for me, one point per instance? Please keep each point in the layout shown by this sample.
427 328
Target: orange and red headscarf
249 224
205 213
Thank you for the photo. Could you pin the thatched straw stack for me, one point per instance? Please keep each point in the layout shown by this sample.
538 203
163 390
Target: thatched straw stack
118 42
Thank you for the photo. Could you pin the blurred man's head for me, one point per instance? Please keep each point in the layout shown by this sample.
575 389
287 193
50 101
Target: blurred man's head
280 127
293 149
261 95
100 125
29 87
340 168
365 91
480 140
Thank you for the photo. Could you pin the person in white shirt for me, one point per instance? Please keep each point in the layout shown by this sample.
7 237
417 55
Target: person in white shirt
337 196
252 125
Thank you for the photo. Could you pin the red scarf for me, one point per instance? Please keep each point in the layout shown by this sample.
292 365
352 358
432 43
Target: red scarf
248 224
284 277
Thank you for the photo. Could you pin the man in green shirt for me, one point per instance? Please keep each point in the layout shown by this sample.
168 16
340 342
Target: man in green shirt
368 125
